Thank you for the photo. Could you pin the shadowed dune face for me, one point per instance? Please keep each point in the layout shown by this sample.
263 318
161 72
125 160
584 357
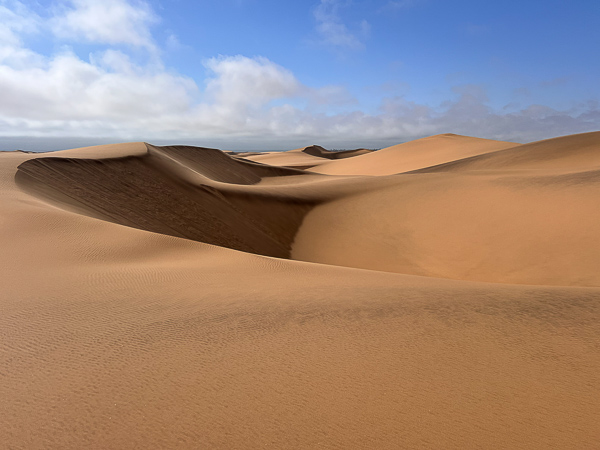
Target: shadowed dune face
178 191
218 166
317 150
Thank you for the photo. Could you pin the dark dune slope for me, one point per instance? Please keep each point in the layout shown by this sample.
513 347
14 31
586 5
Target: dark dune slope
316 150
178 191
217 165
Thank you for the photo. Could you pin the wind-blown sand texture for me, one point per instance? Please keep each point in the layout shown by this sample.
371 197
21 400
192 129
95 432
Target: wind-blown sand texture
443 293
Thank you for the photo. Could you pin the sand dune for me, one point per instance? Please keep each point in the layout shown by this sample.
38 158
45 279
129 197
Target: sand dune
138 308
178 191
288 159
316 150
530 218
303 158
413 155
579 152
497 228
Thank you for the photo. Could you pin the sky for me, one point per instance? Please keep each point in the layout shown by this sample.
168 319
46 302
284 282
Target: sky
276 75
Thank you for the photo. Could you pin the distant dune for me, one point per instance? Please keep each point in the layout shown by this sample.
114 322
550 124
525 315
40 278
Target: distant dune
440 293
293 158
526 215
414 155
316 150
576 152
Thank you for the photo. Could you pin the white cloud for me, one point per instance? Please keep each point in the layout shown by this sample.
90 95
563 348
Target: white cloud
469 114
14 20
244 102
106 22
17 21
241 82
249 102
330 96
71 89
332 29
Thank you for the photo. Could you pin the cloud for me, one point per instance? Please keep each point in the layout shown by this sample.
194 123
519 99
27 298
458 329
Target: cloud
245 102
106 22
470 114
332 29
106 91
16 21
242 82
330 96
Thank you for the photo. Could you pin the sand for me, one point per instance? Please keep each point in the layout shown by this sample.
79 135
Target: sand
178 297
414 155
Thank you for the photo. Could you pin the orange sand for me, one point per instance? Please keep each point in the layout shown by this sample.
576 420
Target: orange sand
455 306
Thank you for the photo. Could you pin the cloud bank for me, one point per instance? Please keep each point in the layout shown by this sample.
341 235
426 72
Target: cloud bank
245 102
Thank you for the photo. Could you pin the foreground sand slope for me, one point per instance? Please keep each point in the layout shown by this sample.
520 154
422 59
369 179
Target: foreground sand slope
116 337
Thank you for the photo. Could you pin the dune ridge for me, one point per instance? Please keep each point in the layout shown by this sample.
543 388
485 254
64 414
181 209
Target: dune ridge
303 158
177 190
413 155
316 150
563 153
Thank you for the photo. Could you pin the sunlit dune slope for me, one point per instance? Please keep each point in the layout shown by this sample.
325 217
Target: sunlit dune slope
288 159
304 158
413 155
526 229
576 152
532 217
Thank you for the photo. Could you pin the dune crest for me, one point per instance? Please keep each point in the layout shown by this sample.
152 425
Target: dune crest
180 191
316 150
579 151
521 215
413 155
304 158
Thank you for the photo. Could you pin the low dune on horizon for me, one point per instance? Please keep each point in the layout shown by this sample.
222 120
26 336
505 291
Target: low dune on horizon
440 293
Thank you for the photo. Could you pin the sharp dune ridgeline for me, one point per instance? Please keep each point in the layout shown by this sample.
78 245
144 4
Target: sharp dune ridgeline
440 293
179 191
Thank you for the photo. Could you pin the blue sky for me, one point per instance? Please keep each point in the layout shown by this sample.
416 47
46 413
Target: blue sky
265 74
